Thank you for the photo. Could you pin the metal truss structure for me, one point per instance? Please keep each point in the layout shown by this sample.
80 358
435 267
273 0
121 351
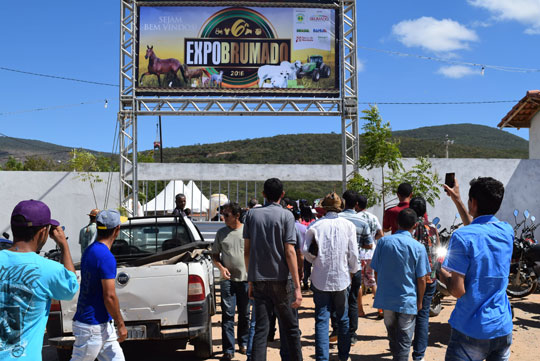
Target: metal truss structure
133 105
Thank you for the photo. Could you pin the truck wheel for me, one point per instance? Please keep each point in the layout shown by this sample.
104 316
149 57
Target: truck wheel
203 344
316 75
64 354
299 74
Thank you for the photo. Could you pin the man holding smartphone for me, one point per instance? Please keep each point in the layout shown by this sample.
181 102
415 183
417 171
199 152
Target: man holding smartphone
28 281
475 271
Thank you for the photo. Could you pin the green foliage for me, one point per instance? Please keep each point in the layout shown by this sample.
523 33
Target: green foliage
85 163
425 182
380 149
35 163
13 164
366 188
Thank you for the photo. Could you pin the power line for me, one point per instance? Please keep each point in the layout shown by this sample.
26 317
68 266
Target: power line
58 77
455 62
54 107
441 103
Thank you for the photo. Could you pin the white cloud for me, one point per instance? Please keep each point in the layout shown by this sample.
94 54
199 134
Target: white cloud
435 35
527 12
360 65
457 71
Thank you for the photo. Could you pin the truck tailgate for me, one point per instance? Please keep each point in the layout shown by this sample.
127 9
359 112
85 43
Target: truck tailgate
157 292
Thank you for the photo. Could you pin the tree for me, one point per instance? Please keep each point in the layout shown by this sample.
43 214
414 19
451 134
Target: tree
381 151
13 164
425 182
85 163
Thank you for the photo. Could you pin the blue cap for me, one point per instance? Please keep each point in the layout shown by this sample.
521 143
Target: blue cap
108 219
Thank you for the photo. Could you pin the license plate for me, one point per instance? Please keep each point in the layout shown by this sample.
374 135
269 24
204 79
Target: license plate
136 332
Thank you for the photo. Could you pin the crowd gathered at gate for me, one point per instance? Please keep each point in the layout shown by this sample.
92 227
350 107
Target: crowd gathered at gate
270 256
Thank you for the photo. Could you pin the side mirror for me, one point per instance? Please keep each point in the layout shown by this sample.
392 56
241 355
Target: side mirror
533 218
457 215
516 212
526 214
438 226
436 220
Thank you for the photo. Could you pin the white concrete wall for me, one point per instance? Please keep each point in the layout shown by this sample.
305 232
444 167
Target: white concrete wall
69 199
534 137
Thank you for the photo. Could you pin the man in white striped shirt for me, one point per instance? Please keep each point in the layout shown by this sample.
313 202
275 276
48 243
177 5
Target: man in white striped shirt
331 246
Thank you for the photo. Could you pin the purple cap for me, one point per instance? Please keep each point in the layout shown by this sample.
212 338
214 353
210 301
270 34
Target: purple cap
35 213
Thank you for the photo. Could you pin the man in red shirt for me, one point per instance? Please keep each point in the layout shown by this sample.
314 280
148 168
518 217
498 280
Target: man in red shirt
404 194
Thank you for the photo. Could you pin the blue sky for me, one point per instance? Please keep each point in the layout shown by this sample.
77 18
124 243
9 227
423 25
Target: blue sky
81 40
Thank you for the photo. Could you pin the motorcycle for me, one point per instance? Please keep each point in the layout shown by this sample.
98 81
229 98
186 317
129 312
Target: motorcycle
525 263
440 254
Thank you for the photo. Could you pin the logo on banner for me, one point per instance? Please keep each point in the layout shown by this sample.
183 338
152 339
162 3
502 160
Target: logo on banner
319 18
300 39
234 43
319 30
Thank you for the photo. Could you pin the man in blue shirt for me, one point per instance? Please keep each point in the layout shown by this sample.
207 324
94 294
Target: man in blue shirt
28 281
476 273
95 336
401 264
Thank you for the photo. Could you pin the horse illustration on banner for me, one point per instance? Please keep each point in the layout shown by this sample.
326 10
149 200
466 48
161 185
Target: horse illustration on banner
157 66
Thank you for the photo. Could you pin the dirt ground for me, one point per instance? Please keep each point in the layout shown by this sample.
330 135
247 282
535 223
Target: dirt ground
372 344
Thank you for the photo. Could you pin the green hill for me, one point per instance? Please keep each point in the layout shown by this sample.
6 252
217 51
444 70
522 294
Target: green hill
470 141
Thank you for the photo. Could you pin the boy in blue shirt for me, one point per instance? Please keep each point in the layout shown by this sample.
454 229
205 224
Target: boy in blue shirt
475 271
95 336
28 281
401 264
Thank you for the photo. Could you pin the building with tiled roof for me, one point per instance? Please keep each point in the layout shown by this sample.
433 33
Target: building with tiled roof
526 114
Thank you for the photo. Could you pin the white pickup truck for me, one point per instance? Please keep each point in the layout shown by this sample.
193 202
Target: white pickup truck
165 285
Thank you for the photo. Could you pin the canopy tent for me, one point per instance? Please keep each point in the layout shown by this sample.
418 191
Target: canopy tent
165 201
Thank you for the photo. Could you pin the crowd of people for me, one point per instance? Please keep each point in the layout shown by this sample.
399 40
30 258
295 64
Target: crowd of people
287 249
266 257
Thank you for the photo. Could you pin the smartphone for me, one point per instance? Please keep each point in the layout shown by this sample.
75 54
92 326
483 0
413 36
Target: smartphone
450 179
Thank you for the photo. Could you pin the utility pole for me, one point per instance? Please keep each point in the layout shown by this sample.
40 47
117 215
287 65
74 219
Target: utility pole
447 142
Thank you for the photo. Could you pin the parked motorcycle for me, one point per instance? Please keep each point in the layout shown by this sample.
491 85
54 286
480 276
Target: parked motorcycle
525 263
440 254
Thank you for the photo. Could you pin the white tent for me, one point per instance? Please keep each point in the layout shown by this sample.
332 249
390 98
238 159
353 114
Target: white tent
165 200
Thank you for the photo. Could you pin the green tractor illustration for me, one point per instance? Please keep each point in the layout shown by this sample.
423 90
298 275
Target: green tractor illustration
314 68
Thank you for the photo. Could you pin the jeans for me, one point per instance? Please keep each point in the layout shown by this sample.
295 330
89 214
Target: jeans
234 294
96 341
421 330
251 330
354 288
325 303
356 283
463 347
278 296
307 272
400 328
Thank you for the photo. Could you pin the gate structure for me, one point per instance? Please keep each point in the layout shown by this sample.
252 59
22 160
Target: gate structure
139 97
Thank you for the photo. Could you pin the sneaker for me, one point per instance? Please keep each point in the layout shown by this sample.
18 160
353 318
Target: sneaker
354 339
242 350
226 357
333 337
380 314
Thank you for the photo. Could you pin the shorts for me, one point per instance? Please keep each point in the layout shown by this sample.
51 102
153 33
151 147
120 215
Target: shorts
368 276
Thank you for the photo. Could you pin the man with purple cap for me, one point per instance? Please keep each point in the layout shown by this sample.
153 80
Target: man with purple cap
95 335
28 281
